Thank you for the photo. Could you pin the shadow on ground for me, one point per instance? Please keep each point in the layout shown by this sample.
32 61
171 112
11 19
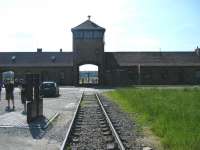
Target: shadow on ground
38 127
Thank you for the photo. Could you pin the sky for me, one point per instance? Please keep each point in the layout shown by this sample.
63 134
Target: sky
131 25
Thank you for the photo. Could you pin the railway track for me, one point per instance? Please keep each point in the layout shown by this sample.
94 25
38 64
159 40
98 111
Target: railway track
91 127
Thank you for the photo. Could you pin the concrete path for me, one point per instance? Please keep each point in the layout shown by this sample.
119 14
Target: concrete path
19 137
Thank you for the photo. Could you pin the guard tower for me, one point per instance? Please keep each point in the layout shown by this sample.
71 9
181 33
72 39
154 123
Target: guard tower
88 48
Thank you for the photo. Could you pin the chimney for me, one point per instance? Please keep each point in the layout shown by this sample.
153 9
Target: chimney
61 50
197 50
39 50
89 17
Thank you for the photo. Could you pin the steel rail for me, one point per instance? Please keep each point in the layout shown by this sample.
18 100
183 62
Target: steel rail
71 125
116 136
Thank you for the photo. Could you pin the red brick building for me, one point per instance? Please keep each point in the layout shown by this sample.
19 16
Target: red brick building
115 68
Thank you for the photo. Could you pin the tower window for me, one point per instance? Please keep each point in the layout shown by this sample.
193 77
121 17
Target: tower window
98 34
88 35
78 34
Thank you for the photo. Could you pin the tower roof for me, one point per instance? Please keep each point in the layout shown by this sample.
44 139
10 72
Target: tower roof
88 25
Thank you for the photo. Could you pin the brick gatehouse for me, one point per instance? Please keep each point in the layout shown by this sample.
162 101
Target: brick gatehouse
114 68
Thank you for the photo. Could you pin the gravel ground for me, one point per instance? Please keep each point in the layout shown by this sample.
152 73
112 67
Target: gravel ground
87 133
127 130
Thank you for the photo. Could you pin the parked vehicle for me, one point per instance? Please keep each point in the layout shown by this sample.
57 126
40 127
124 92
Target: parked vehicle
49 89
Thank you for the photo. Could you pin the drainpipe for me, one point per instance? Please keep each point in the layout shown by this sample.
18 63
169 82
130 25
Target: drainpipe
139 75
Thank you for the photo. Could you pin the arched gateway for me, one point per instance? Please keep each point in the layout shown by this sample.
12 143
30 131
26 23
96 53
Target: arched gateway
88 74
88 48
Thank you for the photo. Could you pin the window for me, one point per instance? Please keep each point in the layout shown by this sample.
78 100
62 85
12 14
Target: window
164 75
86 35
62 75
181 76
197 75
147 76
98 34
90 34
78 34
131 76
48 85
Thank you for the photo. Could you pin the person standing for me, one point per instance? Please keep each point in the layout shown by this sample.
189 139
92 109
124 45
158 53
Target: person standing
9 94
23 94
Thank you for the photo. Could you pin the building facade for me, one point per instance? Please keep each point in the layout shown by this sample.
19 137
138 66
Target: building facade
114 68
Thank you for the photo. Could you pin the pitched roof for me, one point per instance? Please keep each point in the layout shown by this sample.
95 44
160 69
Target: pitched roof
64 59
154 58
88 25
36 59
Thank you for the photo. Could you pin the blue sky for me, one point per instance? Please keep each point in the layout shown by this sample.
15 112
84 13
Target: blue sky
131 25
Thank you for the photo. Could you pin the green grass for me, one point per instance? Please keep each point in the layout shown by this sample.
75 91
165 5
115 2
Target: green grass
172 114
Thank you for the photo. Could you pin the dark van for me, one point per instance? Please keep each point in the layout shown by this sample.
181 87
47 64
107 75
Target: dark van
49 89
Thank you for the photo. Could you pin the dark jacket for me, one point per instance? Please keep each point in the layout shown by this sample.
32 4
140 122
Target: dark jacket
9 88
1 85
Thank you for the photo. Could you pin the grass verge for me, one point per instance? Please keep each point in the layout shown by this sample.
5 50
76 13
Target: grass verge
171 114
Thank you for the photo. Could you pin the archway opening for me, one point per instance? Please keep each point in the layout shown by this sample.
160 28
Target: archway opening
88 74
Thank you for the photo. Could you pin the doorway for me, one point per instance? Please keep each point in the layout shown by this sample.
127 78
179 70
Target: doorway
88 74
